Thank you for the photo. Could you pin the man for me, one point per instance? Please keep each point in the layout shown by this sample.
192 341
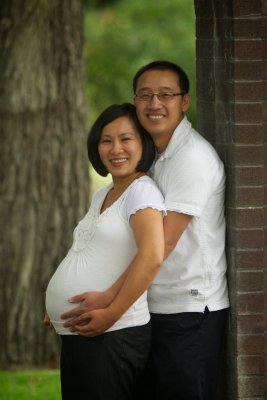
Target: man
188 299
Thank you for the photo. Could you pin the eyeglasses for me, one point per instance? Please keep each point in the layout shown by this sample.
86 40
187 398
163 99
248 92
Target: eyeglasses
161 96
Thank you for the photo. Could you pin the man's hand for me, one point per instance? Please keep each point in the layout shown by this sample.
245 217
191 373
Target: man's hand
88 301
98 321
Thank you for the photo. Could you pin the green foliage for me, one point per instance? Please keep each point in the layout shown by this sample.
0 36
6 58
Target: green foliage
124 35
30 385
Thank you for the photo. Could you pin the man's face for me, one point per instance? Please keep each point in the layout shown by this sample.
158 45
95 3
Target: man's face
160 117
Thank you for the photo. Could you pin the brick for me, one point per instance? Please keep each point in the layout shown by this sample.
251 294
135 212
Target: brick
245 196
264 72
224 93
250 365
247 133
264 49
243 112
250 323
204 8
247 49
223 8
248 259
264 89
222 71
204 47
249 281
250 344
264 25
265 137
247 28
206 108
206 90
250 386
247 91
205 70
246 8
247 155
246 398
250 302
204 28
246 217
223 43
247 70
264 107
247 176
248 238
222 111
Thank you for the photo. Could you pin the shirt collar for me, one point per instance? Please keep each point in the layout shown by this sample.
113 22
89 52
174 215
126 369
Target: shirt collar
178 137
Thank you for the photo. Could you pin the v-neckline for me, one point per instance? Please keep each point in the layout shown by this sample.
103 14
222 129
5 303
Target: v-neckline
108 189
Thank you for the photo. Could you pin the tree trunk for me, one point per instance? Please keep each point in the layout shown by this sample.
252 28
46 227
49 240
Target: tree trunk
43 165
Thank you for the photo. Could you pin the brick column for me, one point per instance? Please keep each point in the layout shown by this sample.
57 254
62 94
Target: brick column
264 46
232 115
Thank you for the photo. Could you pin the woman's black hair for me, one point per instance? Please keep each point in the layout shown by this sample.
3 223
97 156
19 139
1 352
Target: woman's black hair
109 115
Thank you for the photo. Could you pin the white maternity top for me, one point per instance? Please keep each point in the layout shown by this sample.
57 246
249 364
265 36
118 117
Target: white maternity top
103 247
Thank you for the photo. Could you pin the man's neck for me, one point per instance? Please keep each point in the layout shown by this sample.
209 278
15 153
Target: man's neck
161 142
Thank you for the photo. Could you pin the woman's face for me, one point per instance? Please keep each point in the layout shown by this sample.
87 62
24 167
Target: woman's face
120 147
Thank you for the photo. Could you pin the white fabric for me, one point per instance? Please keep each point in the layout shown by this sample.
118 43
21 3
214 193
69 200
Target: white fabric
191 177
103 247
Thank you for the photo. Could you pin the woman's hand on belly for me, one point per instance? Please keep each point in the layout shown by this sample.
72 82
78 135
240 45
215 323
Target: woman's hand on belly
88 301
96 322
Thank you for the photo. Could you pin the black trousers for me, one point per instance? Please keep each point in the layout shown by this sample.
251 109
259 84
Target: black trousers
185 356
105 367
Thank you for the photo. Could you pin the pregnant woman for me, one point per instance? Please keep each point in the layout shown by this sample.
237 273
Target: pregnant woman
123 229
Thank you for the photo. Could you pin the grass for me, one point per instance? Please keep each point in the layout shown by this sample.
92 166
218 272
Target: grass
30 385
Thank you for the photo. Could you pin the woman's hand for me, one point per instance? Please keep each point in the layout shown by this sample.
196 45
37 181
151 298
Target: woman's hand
47 322
98 321
88 301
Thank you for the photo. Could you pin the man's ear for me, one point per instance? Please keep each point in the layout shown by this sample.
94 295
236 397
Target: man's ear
186 102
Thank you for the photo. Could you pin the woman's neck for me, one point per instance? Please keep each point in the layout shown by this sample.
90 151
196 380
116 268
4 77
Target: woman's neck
120 184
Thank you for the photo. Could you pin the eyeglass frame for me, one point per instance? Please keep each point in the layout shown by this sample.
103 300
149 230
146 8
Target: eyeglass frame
170 96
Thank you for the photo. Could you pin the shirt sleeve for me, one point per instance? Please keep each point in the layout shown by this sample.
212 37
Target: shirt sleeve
143 194
192 182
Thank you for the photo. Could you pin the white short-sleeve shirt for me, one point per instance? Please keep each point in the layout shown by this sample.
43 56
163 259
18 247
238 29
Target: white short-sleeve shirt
191 177
103 247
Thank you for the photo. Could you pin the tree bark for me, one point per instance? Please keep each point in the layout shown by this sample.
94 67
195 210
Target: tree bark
44 181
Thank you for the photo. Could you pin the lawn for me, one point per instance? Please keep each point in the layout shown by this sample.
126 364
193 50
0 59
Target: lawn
30 385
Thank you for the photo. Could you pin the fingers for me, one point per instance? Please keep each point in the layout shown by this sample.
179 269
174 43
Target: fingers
78 298
77 321
47 322
88 334
90 329
86 331
75 312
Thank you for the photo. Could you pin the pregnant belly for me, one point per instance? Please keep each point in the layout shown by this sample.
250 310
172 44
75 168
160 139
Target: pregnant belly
57 302
70 279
